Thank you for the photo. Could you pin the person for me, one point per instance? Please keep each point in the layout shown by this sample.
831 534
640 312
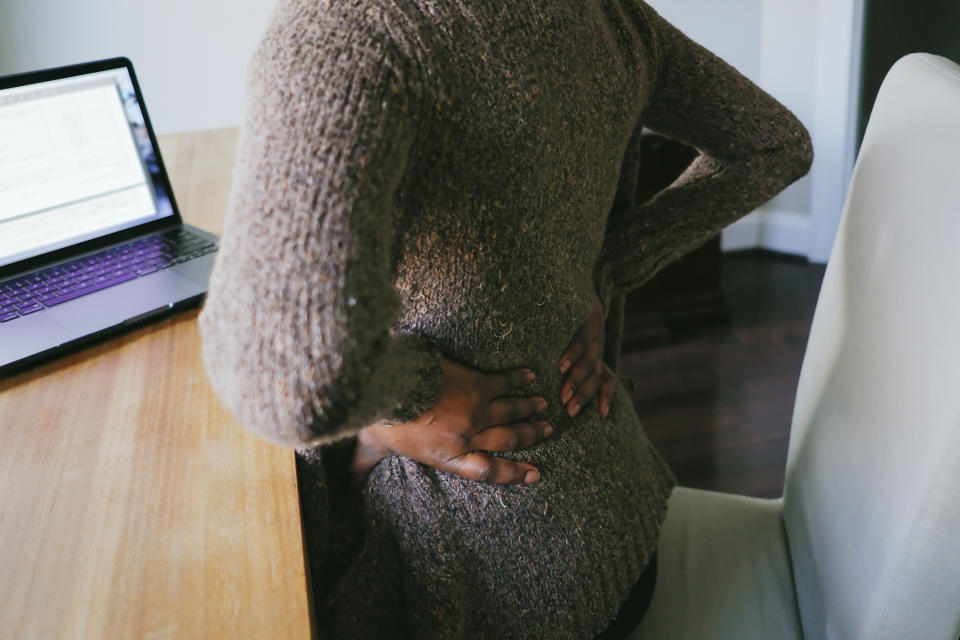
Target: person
432 200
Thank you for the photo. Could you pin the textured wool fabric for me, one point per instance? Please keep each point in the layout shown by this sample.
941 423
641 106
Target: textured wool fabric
426 177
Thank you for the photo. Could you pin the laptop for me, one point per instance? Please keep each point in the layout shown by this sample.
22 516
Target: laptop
91 241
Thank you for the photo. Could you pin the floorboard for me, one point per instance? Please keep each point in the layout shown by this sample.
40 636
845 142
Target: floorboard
718 402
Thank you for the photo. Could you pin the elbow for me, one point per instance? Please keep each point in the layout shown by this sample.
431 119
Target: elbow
785 163
802 152
796 153
268 398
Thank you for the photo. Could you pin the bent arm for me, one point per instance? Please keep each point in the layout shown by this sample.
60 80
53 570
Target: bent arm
751 148
297 336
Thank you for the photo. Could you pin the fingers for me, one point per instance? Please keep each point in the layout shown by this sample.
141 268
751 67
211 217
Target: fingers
590 330
482 467
512 437
581 341
502 382
607 385
584 392
510 410
586 367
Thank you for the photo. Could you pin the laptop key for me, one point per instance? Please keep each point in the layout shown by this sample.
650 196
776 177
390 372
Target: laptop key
96 285
6 317
31 309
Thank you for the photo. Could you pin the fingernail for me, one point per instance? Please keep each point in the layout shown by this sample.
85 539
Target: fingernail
566 395
564 366
548 430
530 376
575 410
541 404
531 477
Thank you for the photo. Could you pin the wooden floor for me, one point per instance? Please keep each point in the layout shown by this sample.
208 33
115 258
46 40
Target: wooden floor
718 403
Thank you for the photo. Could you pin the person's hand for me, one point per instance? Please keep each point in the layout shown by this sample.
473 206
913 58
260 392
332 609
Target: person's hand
468 419
587 371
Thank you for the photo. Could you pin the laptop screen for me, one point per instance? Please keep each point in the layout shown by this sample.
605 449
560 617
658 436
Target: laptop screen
76 163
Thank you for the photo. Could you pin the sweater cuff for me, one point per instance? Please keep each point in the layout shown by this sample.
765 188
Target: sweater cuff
418 375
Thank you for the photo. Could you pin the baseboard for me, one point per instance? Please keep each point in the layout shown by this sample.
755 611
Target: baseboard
780 231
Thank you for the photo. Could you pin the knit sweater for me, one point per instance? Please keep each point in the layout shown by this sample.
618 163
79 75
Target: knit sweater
426 177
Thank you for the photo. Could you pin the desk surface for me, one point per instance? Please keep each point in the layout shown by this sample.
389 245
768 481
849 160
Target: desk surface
132 504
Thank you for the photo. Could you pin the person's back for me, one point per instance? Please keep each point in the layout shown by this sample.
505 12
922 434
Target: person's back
424 177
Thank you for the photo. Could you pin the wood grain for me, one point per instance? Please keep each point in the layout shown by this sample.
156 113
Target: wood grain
718 402
132 504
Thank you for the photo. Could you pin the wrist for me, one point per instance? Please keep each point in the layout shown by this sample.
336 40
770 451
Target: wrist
366 454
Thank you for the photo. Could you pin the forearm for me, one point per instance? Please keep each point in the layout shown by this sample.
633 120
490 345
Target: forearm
710 195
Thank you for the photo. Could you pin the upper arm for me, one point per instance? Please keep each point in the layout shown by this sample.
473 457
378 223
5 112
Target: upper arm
702 101
297 320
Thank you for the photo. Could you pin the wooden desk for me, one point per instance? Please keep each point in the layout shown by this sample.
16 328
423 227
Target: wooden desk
132 504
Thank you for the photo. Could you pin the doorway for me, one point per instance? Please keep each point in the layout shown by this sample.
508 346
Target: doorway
893 29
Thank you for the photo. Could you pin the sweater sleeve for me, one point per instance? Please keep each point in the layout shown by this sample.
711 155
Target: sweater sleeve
297 327
750 146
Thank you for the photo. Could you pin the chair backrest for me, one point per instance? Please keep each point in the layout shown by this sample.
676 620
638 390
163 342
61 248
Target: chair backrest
872 488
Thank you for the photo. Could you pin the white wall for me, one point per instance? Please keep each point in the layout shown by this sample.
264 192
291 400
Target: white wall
199 48
190 55
788 72
191 58
730 29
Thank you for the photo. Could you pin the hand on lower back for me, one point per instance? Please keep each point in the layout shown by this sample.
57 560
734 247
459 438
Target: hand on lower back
469 419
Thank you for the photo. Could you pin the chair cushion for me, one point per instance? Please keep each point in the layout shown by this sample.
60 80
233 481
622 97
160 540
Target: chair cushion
723 571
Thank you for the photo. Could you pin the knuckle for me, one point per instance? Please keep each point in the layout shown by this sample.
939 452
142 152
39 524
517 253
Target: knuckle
578 375
532 406
477 418
522 408
483 471
439 456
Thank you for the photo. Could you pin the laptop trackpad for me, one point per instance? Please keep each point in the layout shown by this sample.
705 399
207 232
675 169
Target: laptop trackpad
27 336
113 306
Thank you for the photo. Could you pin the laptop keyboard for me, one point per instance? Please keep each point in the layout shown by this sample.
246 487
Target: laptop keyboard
49 287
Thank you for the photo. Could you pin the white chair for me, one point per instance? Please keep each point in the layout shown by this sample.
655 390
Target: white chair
865 541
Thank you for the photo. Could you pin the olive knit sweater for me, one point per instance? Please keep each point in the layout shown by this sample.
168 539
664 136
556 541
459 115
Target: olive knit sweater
426 177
